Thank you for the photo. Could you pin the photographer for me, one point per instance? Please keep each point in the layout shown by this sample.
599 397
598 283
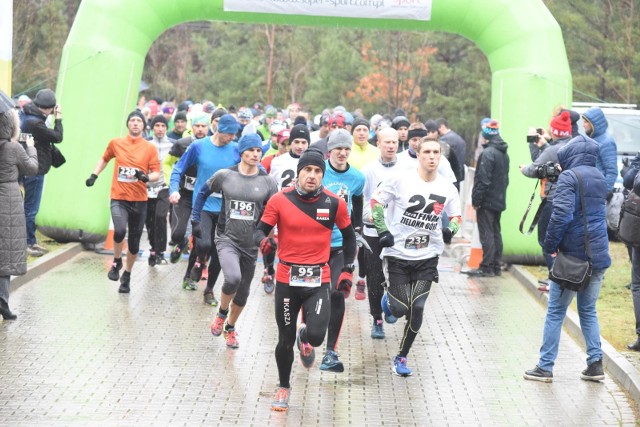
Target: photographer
544 155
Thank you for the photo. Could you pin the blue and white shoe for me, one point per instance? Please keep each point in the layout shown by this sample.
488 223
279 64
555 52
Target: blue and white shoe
331 362
388 317
400 367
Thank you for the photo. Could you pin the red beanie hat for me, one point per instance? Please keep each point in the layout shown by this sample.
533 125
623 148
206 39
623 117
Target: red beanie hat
561 125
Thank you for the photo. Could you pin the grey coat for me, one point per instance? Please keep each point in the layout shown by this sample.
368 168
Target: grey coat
14 161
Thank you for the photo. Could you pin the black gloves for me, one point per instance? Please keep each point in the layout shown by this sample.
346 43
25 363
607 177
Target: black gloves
91 180
268 245
142 176
386 239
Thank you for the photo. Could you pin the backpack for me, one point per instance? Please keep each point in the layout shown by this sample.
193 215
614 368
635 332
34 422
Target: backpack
629 226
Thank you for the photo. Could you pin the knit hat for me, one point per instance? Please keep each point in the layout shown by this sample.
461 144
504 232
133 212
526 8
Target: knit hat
251 140
180 115
399 122
313 157
431 125
45 98
283 135
348 118
168 110
228 124
339 138
271 112
300 120
300 131
359 122
336 120
137 113
217 113
419 133
276 127
575 117
6 103
159 119
490 129
245 114
561 125
200 118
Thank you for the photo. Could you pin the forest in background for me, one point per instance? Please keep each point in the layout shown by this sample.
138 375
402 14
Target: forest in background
429 75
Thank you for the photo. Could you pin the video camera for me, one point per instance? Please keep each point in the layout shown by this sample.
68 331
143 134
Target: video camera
550 170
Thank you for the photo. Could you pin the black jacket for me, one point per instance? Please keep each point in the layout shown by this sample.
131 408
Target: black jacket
33 121
492 176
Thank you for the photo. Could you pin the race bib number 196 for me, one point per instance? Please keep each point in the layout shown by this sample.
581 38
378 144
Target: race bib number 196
305 275
242 210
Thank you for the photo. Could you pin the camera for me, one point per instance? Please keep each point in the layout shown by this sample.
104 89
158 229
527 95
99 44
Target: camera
550 170
534 135
24 136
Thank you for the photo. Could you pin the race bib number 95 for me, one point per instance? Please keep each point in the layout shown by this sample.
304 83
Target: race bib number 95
305 275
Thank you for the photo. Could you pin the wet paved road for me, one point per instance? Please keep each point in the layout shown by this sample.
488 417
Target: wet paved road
82 354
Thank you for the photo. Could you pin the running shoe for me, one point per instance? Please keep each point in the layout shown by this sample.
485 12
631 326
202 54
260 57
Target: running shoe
189 284
175 254
124 283
331 362
269 286
205 272
218 324
400 367
230 337
196 271
210 299
307 352
360 290
281 401
388 317
114 272
152 259
377 332
160 259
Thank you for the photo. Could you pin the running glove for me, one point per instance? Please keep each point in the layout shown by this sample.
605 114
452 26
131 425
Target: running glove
195 229
91 180
386 239
447 235
345 281
268 245
142 176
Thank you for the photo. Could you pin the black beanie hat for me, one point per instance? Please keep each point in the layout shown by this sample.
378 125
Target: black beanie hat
180 115
313 157
300 132
137 113
413 133
159 119
360 122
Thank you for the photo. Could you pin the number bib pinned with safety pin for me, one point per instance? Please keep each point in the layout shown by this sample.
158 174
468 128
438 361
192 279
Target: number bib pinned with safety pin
305 275
242 210
417 240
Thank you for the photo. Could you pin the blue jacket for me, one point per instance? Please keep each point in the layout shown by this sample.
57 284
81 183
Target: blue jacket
566 231
607 162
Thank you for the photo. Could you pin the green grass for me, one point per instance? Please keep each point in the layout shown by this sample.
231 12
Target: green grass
615 305
45 242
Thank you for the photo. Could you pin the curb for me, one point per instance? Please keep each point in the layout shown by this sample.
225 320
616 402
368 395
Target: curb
616 365
45 263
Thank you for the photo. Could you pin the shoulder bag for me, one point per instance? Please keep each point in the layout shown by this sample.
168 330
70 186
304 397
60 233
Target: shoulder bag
57 159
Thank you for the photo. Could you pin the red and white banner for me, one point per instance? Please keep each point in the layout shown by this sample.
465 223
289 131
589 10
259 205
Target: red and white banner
380 9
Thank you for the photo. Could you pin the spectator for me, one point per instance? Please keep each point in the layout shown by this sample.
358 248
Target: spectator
489 199
595 126
566 233
401 124
14 162
33 121
457 144
632 183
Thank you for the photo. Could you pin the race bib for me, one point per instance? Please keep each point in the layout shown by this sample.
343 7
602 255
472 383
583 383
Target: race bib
154 188
127 174
189 183
242 210
417 240
305 275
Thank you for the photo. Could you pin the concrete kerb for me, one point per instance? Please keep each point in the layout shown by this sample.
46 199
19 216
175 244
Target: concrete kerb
616 365
46 263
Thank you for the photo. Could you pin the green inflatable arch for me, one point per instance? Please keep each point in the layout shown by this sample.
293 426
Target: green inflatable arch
103 61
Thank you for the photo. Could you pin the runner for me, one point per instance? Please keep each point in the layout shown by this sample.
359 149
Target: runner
135 158
303 276
374 173
412 242
347 183
210 154
245 190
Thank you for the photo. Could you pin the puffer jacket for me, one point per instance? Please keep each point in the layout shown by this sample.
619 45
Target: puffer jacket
33 122
607 162
14 161
492 176
566 230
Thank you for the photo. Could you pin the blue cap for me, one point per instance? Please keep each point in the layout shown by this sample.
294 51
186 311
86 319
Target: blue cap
250 140
228 124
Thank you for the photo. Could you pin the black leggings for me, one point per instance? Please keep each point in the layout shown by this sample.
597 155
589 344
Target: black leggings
336 262
238 269
125 214
206 248
316 310
180 218
375 277
156 221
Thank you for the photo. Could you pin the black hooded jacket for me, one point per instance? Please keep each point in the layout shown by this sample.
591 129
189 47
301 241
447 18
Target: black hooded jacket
33 121
492 176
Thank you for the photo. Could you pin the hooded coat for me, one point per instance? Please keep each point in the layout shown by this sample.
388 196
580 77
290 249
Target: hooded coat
14 162
492 176
607 162
566 230
34 122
